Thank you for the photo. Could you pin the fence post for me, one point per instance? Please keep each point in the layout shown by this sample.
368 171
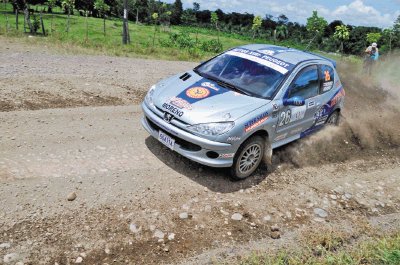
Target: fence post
16 18
41 22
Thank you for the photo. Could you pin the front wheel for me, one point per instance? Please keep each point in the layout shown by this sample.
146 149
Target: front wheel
248 158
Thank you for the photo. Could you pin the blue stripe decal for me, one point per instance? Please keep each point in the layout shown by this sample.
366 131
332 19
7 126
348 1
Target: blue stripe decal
323 113
201 90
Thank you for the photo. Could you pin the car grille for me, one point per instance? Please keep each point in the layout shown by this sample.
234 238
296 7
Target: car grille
188 146
182 123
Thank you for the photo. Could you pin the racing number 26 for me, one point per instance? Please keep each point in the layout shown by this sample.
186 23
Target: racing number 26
285 117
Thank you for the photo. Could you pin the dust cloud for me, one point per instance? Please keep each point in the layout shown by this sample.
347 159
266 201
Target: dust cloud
370 120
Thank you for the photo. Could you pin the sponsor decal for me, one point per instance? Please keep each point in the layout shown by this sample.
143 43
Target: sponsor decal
197 92
337 98
262 58
230 155
327 86
292 115
180 103
172 109
210 85
321 112
257 121
280 137
321 120
296 131
311 104
298 113
201 90
233 139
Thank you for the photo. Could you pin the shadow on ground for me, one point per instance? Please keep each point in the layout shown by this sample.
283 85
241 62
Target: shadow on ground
215 179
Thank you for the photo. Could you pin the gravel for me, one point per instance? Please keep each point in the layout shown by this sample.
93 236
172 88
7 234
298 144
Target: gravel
236 217
320 212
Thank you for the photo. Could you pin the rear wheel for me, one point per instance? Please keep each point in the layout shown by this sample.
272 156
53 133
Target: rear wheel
248 158
333 119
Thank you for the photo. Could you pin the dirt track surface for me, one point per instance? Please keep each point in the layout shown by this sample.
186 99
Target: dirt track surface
139 203
37 78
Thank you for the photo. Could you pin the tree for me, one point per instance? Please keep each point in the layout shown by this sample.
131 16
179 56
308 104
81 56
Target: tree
214 21
154 16
281 32
316 25
188 17
389 36
196 7
341 34
373 37
257 21
396 26
68 6
102 8
282 19
177 12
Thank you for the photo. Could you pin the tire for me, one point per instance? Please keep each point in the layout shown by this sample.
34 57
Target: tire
248 158
333 119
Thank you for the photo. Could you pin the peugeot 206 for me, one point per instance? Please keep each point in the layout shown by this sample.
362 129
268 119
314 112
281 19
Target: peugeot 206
234 109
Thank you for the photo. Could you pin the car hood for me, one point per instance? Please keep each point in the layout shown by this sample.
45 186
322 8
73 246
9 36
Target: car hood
199 100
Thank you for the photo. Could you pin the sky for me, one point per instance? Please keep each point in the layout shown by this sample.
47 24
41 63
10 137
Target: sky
381 13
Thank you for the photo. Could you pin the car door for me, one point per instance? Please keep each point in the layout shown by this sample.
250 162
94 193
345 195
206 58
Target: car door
292 120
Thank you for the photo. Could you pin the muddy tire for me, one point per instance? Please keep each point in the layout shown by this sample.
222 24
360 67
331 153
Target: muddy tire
333 119
248 158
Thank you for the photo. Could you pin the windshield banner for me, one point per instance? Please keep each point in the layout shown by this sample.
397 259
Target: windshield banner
264 59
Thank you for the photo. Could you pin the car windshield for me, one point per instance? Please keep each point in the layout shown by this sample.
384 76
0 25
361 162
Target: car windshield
246 75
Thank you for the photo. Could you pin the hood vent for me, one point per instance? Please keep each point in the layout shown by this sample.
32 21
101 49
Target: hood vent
185 76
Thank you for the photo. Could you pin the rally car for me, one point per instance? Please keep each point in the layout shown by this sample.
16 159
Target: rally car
234 109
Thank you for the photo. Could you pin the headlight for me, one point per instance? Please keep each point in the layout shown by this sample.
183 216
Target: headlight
212 129
149 97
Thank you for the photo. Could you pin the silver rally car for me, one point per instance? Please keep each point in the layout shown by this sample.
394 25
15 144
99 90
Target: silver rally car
234 109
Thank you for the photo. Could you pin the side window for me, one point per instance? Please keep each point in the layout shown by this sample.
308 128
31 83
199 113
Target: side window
306 83
328 78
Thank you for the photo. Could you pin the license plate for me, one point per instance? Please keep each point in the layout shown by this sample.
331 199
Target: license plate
166 140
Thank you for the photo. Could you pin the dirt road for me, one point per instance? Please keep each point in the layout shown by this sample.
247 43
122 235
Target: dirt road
139 203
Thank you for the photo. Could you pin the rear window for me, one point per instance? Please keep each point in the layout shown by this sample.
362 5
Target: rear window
327 78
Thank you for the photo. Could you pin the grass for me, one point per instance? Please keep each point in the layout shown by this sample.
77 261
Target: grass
111 44
379 251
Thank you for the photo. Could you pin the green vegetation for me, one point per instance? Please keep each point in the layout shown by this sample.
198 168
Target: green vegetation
331 251
318 34
167 31
171 43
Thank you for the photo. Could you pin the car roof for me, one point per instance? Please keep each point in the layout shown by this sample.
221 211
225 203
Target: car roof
289 55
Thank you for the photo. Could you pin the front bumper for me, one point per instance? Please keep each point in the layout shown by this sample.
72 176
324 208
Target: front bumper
188 145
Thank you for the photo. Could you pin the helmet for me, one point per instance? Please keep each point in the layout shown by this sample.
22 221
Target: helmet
374 45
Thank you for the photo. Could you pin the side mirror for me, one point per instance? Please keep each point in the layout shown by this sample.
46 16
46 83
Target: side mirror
294 101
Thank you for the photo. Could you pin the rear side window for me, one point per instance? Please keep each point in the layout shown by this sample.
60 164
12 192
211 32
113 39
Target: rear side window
306 83
327 78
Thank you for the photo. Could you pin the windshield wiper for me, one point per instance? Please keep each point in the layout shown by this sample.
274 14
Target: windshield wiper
227 85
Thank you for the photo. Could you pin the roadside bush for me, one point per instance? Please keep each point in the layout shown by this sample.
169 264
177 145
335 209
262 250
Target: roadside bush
179 40
35 23
211 46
